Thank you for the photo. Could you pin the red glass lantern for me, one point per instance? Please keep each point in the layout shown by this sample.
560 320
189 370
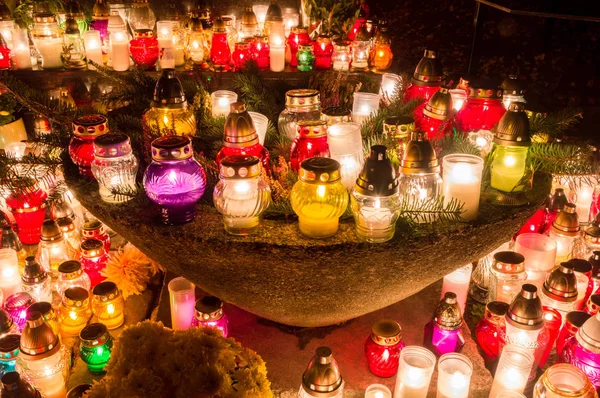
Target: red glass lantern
584 267
241 138
363 14
94 229
241 55
4 54
310 142
383 347
593 305
93 259
297 37
28 208
483 108
574 320
490 329
323 50
436 116
81 148
552 322
260 51
535 224
427 79
144 48
220 52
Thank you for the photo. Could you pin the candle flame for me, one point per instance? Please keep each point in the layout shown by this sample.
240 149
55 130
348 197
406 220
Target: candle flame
321 191
173 177
110 309
73 315
510 161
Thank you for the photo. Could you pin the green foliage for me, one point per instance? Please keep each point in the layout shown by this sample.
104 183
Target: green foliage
24 9
554 124
335 16
430 211
337 88
565 159
7 109
258 96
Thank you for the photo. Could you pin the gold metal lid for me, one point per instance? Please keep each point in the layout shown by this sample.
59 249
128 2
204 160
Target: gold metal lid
38 341
582 266
439 105
69 270
90 126
299 30
526 311
172 147
61 209
249 17
44 308
242 45
336 114
208 308
386 332
593 304
66 224
398 126
513 127
302 97
71 27
513 86
44 18
143 34
239 127
79 390
322 377
92 248
105 291
592 234
94 334
9 346
507 262
319 170
561 284
51 232
575 320
100 11
495 311
76 297
311 128
240 167
33 273
428 71
6 322
566 222
419 156
447 315
219 26
305 48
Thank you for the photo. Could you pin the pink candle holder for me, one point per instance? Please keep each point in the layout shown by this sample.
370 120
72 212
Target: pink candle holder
16 305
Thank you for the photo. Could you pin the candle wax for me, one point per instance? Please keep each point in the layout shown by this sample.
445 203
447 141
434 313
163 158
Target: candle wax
312 221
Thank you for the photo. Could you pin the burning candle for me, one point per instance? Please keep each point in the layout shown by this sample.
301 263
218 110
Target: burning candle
164 31
182 299
458 282
383 347
208 312
539 252
482 139
390 86
119 44
21 52
454 376
459 96
414 372
221 101
10 281
513 370
378 391
345 146
75 311
93 47
260 10
462 182
277 58
16 306
364 106
552 322
108 305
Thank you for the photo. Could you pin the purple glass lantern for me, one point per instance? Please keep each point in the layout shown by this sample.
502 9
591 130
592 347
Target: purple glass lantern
443 333
16 305
208 312
583 350
175 181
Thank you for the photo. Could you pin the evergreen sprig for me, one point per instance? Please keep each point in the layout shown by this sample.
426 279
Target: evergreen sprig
257 96
432 210
565 159
554 124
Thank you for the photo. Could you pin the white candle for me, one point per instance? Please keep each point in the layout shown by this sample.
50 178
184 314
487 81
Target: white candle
277 58
345 146
6 30
183 298
584 194
93 47
378 391
390 84
50 49
513 370
414 372
120 51
459 96
364 106
221 101
261 123
462 181
164 31
458 283
454 376
22 57
10 280
49 380
582 284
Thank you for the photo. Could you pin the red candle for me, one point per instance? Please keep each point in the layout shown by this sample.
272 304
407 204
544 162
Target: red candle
81 148
482 110
553 321
435 117
297 37
311 142
490 329
220 53
260 51
144 48
93 260
323 50
382 348
593 304
535 224
4 56
574 320
241 55
29 208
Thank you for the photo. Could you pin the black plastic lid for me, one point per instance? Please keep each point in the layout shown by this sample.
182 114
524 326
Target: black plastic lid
168 92
378 176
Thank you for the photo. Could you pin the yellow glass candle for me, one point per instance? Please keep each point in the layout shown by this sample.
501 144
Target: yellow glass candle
74 311
108 305
319 198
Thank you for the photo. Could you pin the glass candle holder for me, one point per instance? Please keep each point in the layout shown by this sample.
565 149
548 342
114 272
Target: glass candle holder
564 231
9 350
73 52
300 104
119 46
365 106
93 258
462 182
298 36
6 30
277 58
175 181
115 168
10 240
140 16
208 312
490 330
319 198
581 195
43 360
342 56
75 311
458 282
94 229
35 280
93 47
16 306
232 33
196 45
564 380
144 48
5 54
383 347
322 376
9 272
241 195
71 235
345 146
221 102
220 52
95 347
108 305
454 376
81 148
459 97
310 142
435 117
260 10
248 24
48 314
52 250
560 289
28 207
336 115
323 50
48 40
305 57
361 45
482 110
443 333
414 372
512 371
164 33
70 274
539 252
259 49
391 84
583 351
291 18
552 321
574 320
21 52
378 391
593 305
261 123
182 299
507 276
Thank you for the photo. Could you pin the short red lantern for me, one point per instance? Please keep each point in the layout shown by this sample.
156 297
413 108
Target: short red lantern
323 50
81 148
297 37
260 51
310 142
144 48
28 207
383 347
483 108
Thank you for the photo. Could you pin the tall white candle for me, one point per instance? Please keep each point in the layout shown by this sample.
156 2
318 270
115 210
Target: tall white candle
513 370
164 31
182 298
345 146
454 376
119 45
21 52
93 47
414 372
458 283
462 181
277 59
584 194
10 281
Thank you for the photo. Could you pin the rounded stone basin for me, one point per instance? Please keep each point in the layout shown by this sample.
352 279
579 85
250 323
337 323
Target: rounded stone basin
280 275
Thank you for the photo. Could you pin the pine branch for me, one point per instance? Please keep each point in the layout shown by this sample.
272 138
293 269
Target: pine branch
457 144
554 124
257 96
432 210
565 159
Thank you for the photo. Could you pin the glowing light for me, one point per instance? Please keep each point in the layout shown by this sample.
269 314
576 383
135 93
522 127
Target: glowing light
481 142
386 354
510 161
73 315
110 309
321 190
173 177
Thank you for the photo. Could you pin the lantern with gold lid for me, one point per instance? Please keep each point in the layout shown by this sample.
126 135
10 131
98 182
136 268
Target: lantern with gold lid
140 15
583 351
94 229
360 50
36 281
197 49
7 325
73 53
144 48
208 312
323 50
108 304
507 275
52 250
300 104
436 117
337 115
564 230
383 347
310 142
71 234
560 289
241 194
48 39
93 258
427 78
483 108
43 360
319 198
9 350
443 333
81 148
48 314
322 377
298 36
489 328
75 311
220 51
100 15
70 274
28 207
95 347
249 26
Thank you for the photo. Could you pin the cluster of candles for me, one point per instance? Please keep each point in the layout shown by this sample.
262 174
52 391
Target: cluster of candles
270 36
